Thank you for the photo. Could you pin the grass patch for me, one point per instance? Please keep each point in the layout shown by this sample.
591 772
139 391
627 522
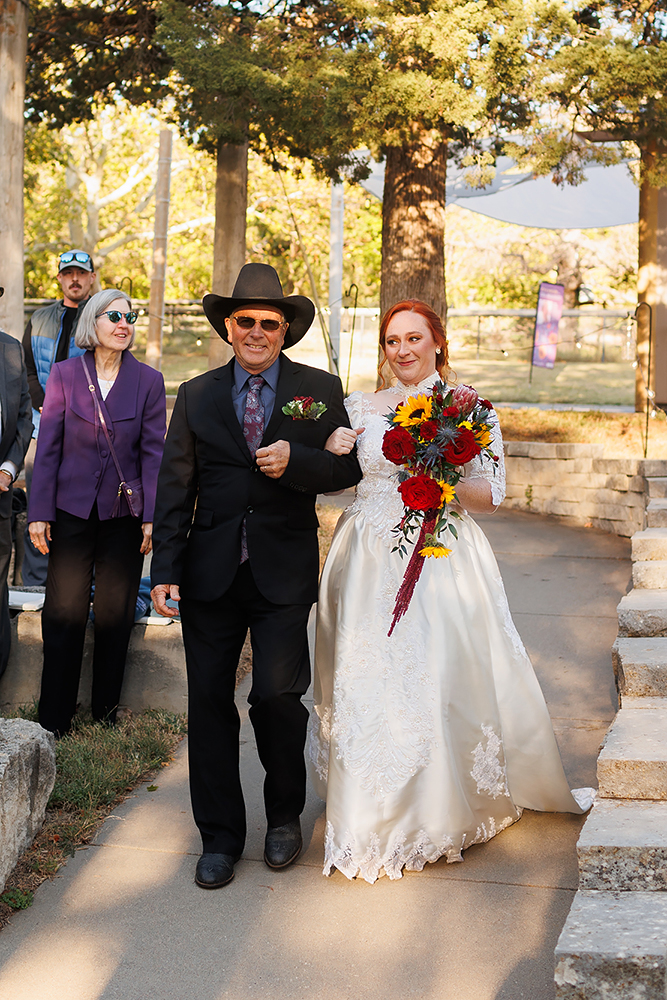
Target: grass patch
97 766
621 433
585 383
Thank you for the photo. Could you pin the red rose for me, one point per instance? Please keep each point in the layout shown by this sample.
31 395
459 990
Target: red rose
461 450
306 400
486 404
451 411
398 445
428 429
421 493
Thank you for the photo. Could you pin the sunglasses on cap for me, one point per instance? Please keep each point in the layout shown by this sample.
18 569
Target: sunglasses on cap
267 325
115 315
75 256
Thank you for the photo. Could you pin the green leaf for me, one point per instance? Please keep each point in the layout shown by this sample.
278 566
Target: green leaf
17 898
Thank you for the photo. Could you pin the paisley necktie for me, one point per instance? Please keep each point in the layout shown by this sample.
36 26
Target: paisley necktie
253 432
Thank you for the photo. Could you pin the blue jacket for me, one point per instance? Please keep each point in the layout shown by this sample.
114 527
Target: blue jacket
46 326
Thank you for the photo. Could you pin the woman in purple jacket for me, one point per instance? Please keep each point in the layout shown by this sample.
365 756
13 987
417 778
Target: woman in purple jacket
79 514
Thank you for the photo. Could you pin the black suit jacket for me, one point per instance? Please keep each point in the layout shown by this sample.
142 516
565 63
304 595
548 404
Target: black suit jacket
16 410
208 483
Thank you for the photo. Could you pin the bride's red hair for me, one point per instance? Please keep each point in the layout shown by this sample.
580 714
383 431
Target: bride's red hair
435 326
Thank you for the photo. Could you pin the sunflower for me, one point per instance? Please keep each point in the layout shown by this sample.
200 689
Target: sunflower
415 411
438 551
448 491
483 436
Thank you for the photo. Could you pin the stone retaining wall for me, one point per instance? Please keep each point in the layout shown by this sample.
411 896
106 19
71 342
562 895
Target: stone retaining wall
154 674
580 484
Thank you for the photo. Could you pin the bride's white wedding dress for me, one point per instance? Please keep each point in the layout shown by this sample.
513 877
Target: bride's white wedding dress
436 738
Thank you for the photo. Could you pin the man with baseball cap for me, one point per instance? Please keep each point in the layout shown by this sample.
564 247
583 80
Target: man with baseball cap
48 338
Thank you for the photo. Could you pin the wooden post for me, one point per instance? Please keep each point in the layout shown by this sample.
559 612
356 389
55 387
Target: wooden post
13 45
229 251
336 240
156 302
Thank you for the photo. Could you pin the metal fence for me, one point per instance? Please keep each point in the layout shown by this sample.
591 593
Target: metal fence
603 335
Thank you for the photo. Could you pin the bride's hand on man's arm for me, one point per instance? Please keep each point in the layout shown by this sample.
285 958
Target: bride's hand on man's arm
343 440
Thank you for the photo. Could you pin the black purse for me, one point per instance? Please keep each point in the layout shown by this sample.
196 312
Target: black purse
133 491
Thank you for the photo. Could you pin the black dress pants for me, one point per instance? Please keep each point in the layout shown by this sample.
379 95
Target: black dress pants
79 546
5 559
214 633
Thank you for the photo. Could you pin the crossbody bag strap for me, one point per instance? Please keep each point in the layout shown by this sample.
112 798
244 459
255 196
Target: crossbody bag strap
96 401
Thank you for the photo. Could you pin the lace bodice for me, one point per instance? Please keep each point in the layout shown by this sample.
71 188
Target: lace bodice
377 494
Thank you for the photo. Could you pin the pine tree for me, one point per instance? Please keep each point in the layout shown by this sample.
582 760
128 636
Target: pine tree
83 53
412 81
609 78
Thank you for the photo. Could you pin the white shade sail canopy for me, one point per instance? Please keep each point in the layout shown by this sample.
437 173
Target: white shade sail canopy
607 197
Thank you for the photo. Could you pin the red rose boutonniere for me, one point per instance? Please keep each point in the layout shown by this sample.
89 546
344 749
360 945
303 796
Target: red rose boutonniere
304 408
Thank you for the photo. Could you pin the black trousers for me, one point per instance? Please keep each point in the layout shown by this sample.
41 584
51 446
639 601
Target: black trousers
5 559
213 633
79 546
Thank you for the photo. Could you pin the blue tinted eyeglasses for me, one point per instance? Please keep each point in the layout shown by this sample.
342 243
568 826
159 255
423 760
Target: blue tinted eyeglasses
70 256
115 315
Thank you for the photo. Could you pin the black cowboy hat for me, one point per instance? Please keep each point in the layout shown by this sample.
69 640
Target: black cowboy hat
259 285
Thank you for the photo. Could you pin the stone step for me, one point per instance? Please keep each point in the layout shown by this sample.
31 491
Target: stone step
649 544
650 574
657 486
640 666
643 613
633 761
652 467
613 947
656 514
623 846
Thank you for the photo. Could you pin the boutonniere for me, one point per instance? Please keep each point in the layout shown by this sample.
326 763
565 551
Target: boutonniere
304 408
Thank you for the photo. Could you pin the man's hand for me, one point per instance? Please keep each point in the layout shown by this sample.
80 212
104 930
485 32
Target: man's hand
159 596
40 535
6 480
273 461
343 440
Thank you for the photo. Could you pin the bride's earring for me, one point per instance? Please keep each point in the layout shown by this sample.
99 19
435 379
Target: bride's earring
438 351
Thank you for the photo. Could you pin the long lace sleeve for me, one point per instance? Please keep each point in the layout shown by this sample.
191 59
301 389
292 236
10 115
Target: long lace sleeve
482 467
353 405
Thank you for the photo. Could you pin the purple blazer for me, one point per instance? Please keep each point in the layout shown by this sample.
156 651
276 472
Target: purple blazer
73 466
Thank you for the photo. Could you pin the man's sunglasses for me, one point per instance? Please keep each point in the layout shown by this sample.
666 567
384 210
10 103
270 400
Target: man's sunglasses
267 325
115 315
79 256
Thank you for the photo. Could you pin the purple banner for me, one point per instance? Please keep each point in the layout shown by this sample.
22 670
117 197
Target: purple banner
549 312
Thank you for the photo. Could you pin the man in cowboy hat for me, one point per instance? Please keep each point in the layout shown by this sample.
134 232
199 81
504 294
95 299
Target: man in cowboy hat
235 542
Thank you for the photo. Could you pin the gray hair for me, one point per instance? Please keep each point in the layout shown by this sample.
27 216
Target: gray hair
86 332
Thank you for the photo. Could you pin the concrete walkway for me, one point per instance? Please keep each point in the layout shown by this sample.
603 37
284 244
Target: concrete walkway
123 919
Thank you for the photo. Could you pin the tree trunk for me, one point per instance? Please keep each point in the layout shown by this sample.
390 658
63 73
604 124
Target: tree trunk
229 251
413 224
651 285
13 45
159 272
648 217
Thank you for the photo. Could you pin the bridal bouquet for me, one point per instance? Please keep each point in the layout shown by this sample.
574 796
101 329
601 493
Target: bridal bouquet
431 438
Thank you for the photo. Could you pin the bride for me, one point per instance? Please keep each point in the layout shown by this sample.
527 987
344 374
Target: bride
435 738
